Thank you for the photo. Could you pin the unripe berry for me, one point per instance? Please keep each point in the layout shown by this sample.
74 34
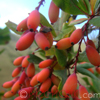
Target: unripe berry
22 26
9 94
33 20
76 36
42 41
55 80
83 93
54 89
15 87
45 85
93 55
8 84
25 41
25 61
43 75
16 71
30 70
70 85
91 43
98 70
53 12
34 81
45 63
18 61
63 44
22 77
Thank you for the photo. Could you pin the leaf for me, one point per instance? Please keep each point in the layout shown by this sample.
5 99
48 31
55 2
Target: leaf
61 57
1 51
86 65
62 74
4 32
93 3
44 22
68 6
78 21
34 59
86 72
66 31
95 21
12 26
83 57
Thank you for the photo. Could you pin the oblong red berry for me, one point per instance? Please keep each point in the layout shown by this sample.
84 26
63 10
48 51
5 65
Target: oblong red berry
25 41
20 98
42 41
53 12
83 93
22 77
16 71
30 70
22 26
70 85
76 36
55 80
63 44
93 55
98 70
54 89
8 94
45 63
25 61
34 81
45 85
18 60
33 20
91 43
15 87
8 84
43 75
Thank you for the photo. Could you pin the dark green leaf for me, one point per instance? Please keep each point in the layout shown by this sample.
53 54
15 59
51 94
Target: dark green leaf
83 57
68 6
12 26
61 57
1 94
95 21
4 31
44 22
34 59
86 65
86 72
62 74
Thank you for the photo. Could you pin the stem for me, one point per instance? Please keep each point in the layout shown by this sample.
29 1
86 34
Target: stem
40 3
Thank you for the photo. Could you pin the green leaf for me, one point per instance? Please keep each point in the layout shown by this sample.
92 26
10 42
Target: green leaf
62 74
66 31
1 94
86 65
44 22
68 6
4 31
86 72
1 51
83 57
61 57
34 59
12 26
78 21
95 21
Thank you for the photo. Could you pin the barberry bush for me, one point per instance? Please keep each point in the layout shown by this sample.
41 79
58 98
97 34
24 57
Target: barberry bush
60 65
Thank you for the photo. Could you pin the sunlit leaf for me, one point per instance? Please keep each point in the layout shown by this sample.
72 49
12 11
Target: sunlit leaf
12 26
